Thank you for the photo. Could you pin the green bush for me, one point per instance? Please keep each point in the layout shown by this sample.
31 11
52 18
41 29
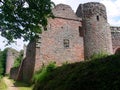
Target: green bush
98 56
100 74
41 75
3 61
18 60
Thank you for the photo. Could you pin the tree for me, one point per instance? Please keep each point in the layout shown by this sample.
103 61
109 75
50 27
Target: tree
3 61
23 18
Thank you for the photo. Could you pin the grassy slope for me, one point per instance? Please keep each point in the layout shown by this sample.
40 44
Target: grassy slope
22 85
2 85
103 74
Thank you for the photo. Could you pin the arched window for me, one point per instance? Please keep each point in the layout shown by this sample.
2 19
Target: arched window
117 51
66 43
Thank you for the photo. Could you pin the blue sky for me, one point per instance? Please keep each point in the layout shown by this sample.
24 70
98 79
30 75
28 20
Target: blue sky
113 13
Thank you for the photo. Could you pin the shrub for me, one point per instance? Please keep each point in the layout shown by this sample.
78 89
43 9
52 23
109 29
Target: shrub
100 74
40 75
18 60
3 61
98 56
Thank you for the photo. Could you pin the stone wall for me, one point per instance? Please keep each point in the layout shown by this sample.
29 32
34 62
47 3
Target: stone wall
90 9
27 65
97 34
12 54
52 46
68 38
13 73
115 38
65 26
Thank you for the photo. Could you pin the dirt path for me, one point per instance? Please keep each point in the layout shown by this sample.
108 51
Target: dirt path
9 84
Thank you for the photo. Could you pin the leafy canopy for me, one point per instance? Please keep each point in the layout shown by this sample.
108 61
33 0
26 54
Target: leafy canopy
23 18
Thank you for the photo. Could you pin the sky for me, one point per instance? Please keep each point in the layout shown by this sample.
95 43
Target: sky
113 14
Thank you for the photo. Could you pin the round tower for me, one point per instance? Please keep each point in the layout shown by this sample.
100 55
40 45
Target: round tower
97 33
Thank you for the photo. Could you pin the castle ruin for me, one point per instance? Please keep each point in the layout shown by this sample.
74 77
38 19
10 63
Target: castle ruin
12 54
71 37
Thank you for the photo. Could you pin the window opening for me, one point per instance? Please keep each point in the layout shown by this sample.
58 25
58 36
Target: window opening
97 18
66 43
80 31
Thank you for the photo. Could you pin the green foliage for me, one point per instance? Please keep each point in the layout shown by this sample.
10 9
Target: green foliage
42 74
3 61
18 60
100 74
98 56
23 18
65 63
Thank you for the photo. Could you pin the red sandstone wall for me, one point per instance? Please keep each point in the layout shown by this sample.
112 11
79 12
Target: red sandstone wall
52 47
28 63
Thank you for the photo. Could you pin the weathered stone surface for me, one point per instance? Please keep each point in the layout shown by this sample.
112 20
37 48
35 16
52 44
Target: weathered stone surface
14 73
12 54
115 38
97 34
64 11
50 46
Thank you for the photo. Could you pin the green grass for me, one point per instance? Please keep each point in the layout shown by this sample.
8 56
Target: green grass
97 74
2 85
23 86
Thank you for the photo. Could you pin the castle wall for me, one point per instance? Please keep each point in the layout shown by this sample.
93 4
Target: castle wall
11 56
30 63
115 38
26 69
13 73
97 34
65 26
54 50
68 38
60 42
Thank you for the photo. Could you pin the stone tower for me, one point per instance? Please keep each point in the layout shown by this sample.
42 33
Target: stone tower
12 54
97 34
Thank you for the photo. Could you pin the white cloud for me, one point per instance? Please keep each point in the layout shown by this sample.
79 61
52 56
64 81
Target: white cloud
113 11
